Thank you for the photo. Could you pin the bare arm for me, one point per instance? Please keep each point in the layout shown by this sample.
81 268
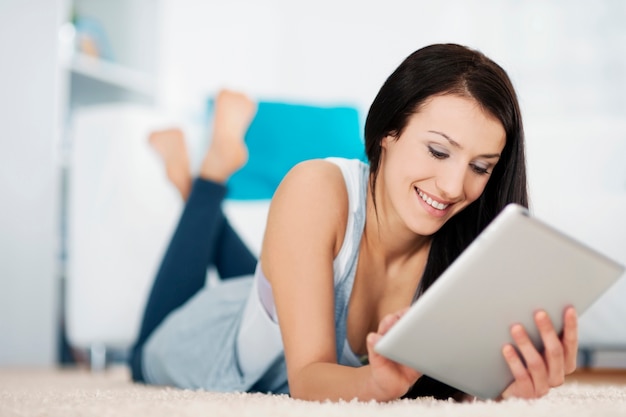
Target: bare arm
305 229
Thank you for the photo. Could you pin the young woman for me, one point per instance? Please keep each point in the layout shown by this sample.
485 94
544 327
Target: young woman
348 246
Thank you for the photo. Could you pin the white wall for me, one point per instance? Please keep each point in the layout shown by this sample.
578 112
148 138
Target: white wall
567 59
325 50
28 182
345 49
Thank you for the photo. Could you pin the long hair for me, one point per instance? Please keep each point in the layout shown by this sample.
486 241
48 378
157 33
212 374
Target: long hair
456 70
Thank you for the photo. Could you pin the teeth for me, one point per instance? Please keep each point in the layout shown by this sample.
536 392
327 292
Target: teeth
431 202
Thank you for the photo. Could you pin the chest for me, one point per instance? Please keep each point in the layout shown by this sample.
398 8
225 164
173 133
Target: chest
379 290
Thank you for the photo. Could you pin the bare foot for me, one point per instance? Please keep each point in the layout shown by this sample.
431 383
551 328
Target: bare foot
170 145
227 152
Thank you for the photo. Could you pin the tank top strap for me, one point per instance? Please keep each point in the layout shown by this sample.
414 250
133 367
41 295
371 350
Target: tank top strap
356 175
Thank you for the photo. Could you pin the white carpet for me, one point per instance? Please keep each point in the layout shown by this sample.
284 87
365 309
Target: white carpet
68 393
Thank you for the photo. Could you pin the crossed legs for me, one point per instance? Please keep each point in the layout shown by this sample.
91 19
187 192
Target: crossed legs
203 236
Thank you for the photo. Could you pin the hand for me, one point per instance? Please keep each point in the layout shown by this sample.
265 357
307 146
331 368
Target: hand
547 370
390 379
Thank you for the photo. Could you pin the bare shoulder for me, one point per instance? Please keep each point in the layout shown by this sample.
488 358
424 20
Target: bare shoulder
318 184
323 176
312 200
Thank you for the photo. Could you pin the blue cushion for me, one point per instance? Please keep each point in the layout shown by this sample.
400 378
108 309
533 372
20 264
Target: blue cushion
282 134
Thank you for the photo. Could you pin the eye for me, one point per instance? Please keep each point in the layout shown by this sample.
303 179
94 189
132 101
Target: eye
480 170
437 154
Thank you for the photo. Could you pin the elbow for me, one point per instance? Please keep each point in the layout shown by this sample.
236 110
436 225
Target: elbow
302 386
297 389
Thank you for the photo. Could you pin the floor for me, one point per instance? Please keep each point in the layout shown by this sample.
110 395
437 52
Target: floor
597 376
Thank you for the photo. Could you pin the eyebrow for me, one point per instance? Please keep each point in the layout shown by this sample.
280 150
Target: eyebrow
458 145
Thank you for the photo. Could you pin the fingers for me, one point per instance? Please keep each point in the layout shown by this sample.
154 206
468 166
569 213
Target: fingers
523 386
389 320
553 349
560 353
536 373
535 363
371 340
570 339
383 327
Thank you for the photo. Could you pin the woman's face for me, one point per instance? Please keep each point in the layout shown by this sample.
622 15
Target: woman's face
441 162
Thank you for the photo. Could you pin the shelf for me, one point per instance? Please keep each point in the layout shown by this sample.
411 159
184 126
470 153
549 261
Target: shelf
111 73
96 81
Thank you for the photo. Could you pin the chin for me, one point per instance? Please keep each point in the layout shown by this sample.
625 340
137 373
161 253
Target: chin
423 230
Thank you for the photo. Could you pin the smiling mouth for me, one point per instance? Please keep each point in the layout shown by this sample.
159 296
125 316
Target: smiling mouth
433 203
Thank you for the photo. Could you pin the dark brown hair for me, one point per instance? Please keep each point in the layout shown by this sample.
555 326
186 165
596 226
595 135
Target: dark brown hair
457 70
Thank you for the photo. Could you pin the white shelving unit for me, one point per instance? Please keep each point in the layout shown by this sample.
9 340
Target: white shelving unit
126 74
94 81
126 32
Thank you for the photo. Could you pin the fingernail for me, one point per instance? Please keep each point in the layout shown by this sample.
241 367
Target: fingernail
517 330
508 351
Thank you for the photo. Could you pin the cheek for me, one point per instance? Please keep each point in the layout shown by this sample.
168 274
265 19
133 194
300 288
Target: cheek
401 165
474 188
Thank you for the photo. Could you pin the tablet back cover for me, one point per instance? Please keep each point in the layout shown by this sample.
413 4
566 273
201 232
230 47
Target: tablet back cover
456 330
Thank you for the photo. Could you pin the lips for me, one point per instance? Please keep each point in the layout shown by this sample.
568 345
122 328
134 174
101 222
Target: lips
433 203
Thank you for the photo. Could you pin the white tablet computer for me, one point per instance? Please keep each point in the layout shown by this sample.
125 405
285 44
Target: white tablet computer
455 331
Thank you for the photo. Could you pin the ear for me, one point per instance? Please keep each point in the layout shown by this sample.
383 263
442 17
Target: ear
384 142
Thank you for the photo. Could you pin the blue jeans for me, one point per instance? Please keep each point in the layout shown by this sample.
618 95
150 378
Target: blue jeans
203 238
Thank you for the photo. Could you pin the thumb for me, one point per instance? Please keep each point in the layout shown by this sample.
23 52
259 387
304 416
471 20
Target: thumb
372 340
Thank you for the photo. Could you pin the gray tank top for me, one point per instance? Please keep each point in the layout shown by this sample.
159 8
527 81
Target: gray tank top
200 344
356 175
259 341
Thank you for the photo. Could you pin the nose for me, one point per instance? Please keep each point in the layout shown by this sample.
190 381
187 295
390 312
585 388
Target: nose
451 182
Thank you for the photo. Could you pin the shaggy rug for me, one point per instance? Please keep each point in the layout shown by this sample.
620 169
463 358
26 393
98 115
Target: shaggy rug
78 392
